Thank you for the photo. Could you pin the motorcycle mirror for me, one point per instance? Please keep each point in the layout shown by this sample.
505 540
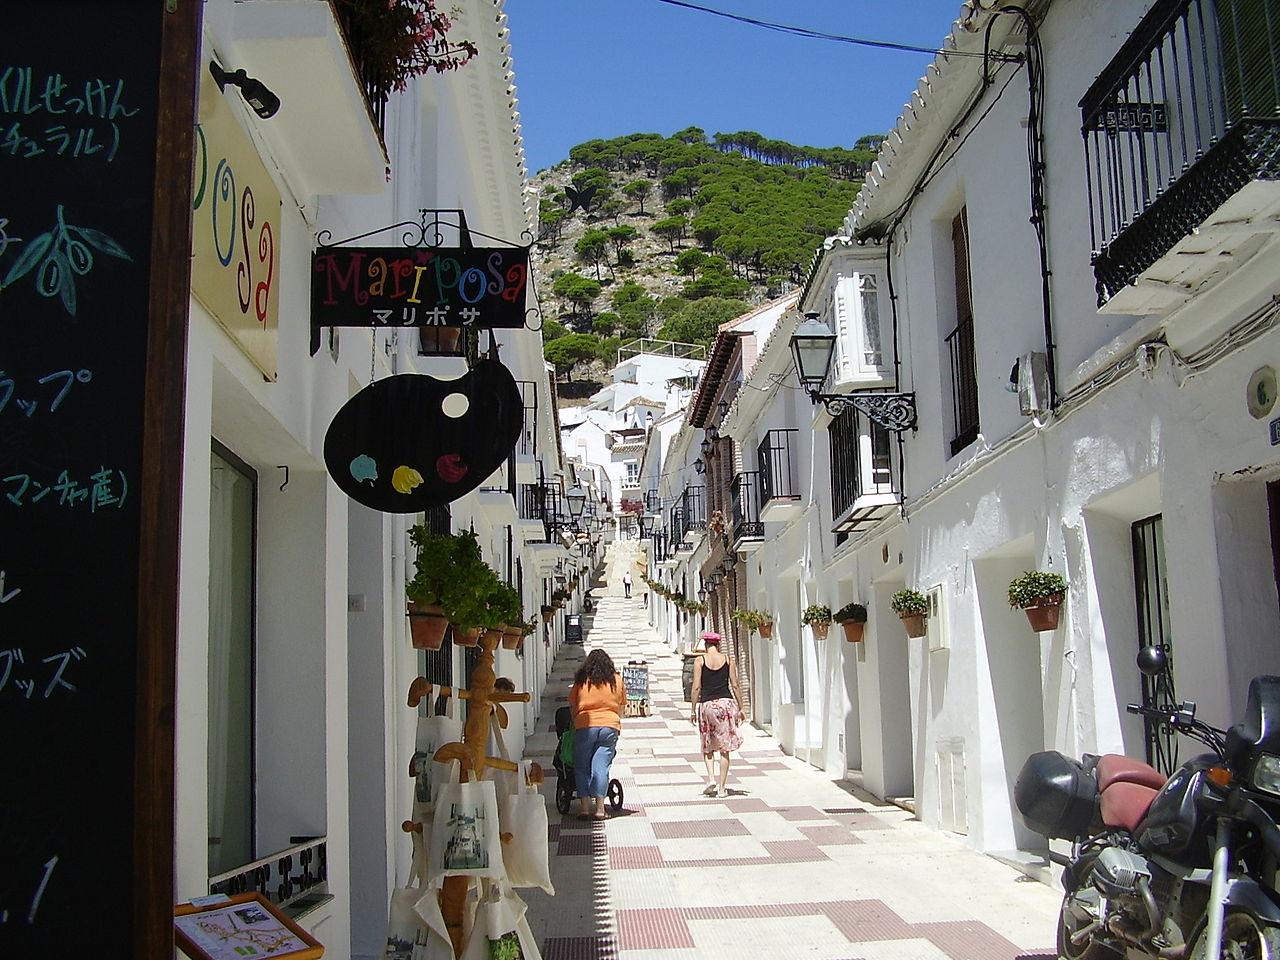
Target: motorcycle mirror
1153 661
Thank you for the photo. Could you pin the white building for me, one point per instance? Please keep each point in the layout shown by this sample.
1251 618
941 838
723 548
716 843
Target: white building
1131 451
293 736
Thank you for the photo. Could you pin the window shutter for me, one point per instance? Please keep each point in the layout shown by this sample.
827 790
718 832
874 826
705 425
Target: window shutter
960 244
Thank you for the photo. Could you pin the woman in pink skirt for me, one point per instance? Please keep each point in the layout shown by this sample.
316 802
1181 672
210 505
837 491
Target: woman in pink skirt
717 711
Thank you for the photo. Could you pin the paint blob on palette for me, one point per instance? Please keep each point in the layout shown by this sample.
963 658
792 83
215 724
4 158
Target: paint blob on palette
410 442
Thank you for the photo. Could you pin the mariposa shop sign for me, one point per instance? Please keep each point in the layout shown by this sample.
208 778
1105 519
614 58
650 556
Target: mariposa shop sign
481 287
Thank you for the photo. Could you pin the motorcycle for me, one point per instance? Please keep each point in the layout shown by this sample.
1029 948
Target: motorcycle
1182 868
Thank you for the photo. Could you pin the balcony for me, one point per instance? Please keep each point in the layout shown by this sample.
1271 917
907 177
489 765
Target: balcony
779 493
530 498
497 498
964 386
526 451
862 490
675 526
330 122
694 506
747 532
1182 149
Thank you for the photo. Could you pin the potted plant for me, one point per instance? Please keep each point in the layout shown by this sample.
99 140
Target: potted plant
402 39
852 618
1039 594
755 621
912 607
432 565
818 616
766 623
466 592
548 612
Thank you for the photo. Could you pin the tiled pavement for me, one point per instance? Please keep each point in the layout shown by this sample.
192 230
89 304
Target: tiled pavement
789 865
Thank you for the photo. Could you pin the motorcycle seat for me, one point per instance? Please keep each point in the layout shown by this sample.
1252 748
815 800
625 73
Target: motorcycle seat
1117 768
1125 804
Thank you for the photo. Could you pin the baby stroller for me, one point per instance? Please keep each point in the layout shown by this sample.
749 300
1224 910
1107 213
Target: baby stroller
563 762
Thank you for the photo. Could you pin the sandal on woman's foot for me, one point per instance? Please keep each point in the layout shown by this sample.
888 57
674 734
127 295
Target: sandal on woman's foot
584 816
601 816
709 790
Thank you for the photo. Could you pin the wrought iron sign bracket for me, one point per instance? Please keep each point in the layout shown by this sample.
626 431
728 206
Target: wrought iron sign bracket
896 412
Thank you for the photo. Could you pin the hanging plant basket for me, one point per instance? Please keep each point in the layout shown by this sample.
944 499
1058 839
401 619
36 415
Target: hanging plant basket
821 628
427 625
853 630
548 614
1046 614
511 638
915 624
766 629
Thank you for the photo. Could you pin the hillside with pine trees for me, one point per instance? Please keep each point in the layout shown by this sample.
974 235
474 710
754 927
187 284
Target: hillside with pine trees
653 236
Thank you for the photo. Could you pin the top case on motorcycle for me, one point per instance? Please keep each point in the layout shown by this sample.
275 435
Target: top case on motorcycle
1128 786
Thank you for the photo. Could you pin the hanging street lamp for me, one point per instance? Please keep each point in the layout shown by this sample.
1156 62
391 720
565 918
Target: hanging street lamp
577 498
813 346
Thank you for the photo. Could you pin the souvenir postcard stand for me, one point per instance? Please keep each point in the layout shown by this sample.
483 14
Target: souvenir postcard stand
473 759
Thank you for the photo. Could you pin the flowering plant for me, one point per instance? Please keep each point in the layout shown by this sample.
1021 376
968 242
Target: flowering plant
394 41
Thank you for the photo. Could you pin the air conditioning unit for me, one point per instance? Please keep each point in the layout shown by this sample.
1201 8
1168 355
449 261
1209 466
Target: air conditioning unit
1030 378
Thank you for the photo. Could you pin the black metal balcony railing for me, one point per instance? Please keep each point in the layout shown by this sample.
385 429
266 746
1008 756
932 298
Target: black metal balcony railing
530 500
777 478
294 879
694 505
527 445
964 386
675 524
652 502
1185 114
508 470
377 87
849 478
659 546
746 507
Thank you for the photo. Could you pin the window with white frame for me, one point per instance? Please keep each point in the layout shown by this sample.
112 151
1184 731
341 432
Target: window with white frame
633 472
869 305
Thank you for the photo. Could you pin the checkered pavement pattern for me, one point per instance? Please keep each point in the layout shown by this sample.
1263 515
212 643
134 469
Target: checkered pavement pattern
790 864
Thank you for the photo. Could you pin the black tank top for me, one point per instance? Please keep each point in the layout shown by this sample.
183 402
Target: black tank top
715 683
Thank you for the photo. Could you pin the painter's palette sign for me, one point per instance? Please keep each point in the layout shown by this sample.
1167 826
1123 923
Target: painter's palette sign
79 121
481 287
410 442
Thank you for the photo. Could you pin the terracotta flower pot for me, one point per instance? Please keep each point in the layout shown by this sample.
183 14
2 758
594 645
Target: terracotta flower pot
1046 614
427 625
766 630
511 638
466 638
820 630
548 615
914 622
853 630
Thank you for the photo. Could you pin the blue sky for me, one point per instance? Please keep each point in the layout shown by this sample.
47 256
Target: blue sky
601 68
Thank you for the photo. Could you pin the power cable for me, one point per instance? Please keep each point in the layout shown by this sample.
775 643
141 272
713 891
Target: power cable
809 34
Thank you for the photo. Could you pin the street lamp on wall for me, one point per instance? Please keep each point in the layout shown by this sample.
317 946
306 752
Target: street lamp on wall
577 498
813 346
706 448
700 466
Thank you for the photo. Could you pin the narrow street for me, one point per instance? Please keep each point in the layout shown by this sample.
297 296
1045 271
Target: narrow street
789 865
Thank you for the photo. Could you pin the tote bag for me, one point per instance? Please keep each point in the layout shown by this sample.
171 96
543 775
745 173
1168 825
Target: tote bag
465 838
433 733
523 814
501 931
414 930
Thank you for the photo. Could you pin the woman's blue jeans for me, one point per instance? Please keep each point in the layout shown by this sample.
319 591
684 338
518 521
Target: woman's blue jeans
593 752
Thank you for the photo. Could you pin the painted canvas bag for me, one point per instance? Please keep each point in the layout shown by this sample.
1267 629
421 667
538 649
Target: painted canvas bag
465 838
415 927
428 775
523 814
500 930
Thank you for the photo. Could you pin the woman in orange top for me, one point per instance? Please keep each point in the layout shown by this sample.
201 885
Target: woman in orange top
597 700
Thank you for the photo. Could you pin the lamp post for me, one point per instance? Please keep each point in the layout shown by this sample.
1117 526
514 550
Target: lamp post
813 346
645 521
577 498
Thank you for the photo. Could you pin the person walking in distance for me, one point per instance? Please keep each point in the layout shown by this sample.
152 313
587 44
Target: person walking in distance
597 700
716 712
626 583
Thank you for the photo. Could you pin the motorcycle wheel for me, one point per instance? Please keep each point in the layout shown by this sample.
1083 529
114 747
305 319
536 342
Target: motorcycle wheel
1244 937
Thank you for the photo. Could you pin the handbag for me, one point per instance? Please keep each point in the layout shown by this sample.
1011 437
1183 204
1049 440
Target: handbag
523 814
501 930
465 837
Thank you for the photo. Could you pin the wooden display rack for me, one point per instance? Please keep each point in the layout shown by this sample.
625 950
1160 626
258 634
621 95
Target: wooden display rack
473 759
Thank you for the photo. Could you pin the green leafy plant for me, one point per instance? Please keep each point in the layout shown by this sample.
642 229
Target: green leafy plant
503 607
469 585
1034 587
850 613
433 565
910 603
402 39
817 613
751 619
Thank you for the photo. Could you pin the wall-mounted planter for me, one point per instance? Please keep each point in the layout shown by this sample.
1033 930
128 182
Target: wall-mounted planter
915 624
427 625
466 638
511 638
1046 614
548 613
853 631
766 630
821 629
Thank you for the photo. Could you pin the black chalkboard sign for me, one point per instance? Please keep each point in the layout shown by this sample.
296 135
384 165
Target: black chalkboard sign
82 148
419 287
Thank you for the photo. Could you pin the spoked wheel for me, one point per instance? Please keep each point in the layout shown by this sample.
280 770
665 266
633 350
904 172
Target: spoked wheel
564 794
615 795
1244 937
